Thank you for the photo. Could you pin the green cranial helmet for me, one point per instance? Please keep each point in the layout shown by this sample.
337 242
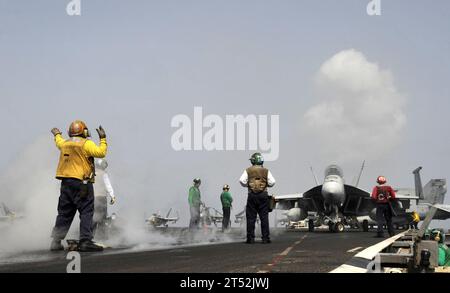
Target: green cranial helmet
257 159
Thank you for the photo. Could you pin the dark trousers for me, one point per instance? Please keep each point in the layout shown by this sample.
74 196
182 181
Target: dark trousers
257 204
384 213
195 217
75 196
100 208
100 216
226 217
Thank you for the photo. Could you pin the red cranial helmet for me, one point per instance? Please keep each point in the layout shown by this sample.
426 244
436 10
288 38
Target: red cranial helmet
381 180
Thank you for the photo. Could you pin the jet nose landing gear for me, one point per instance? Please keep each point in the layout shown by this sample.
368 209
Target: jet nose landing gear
339 227
311 225
336 227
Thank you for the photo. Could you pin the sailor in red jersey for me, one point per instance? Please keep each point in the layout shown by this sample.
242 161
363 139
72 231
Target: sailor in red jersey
382 194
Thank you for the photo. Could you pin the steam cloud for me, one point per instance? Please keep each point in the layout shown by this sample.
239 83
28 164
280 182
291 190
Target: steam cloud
30 189
360 113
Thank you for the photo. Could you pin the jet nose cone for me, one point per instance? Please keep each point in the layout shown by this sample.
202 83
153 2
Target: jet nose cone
330 188
332 191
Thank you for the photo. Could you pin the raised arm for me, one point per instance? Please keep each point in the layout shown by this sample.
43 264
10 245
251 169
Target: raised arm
244 179
92 150
59 140
270 180
109 188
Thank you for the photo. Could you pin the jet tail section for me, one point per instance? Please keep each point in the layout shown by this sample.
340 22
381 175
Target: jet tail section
168 213
434 191
6 210
418 183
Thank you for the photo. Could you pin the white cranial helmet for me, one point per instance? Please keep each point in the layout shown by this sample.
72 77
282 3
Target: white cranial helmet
101 164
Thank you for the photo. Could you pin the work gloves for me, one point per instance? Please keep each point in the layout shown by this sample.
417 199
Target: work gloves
101 132
55 131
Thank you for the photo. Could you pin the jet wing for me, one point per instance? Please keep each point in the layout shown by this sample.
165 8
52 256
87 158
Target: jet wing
6 210
357 202
4 218
442 212
287 201
294 196
240 214
309 201
312 200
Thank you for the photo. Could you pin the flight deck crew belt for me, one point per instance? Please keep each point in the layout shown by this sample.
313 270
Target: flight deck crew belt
257 179
73 162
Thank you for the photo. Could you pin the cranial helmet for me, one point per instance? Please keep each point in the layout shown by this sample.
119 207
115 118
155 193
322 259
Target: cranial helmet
101 164
78 128
257 159
381 180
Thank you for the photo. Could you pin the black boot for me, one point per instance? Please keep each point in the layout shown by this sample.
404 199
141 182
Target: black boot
379 235
250 241
56 245
89 246
266 241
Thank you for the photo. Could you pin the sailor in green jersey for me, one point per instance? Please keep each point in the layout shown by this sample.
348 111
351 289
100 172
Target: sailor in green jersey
227 201
194 204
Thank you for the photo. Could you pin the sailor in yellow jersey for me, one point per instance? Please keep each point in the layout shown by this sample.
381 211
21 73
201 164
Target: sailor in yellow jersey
77 174
415 219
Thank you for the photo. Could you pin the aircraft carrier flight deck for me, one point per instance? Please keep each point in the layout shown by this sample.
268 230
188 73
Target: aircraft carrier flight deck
291 251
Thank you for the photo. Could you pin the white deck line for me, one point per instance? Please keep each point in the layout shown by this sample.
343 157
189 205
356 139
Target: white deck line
368 254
